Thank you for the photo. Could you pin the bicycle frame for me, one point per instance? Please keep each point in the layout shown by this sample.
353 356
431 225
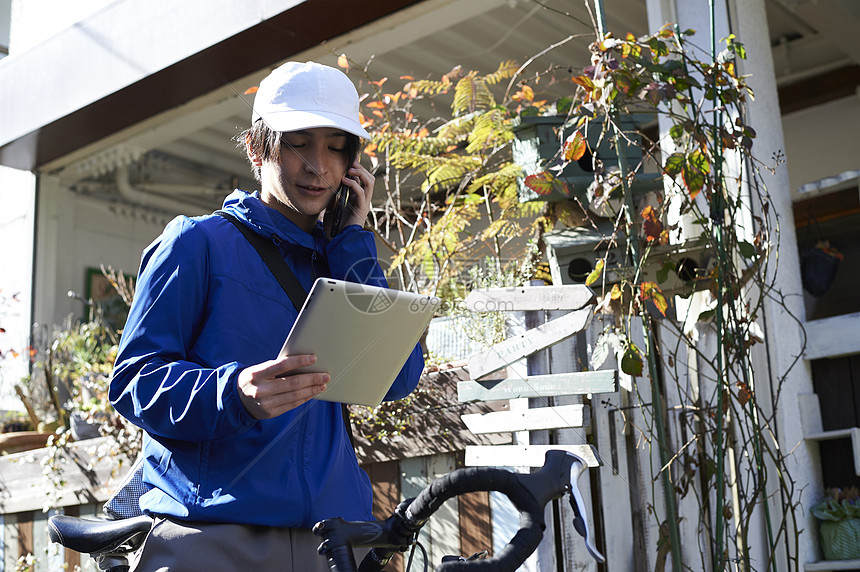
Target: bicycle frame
529 493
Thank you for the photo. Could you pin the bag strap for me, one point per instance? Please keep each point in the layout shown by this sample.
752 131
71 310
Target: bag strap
288 281
270 255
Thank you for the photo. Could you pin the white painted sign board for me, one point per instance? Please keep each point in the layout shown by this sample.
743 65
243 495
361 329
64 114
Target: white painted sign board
504 353
536 419
524 455
550 385
530 298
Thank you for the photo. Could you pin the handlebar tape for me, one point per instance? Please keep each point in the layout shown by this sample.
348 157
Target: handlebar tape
472 479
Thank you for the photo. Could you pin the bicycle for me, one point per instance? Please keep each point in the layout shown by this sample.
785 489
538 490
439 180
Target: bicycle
110 543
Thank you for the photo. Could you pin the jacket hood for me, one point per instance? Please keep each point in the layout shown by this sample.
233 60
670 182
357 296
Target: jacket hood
249 208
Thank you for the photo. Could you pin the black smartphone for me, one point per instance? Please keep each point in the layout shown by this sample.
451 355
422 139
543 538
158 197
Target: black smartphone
338 208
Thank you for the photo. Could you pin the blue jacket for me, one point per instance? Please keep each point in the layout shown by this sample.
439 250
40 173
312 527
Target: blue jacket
206 307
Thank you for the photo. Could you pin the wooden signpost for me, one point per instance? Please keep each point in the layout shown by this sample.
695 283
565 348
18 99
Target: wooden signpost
525 298
551 385
524 455
528 420
577 298
579 301
507 352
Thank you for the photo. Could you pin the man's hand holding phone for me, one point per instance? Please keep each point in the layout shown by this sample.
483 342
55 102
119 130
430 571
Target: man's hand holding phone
357 186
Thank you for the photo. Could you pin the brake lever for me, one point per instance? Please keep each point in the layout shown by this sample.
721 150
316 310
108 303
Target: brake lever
580 523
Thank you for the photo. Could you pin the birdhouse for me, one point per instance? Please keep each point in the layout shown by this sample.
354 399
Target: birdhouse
538 144
573 254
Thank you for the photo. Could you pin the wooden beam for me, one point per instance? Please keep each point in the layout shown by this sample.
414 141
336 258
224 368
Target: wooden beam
832 337
535 419
551 385
274 38
828 86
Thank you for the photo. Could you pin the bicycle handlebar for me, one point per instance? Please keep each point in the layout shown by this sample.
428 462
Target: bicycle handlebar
529 493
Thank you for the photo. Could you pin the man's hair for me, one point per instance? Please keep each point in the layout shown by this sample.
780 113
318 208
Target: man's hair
265 143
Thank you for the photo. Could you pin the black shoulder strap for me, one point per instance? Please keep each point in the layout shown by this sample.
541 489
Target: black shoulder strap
288 281
270 255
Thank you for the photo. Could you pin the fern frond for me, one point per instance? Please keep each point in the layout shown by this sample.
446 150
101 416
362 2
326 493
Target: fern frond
458 128
498 180
501 227
431 87
451 172
471 94
492 129
506 70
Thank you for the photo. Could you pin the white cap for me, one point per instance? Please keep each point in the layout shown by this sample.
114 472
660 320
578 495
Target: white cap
300 95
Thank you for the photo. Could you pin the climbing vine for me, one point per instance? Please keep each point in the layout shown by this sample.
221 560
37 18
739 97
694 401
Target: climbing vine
688 211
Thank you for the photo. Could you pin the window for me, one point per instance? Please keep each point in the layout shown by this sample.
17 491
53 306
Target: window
828 238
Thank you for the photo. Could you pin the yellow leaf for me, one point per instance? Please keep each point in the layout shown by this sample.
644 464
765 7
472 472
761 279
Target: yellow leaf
652 290
574 147
595 274
526 93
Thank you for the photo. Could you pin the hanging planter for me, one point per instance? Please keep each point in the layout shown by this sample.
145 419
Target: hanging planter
840 524
818 266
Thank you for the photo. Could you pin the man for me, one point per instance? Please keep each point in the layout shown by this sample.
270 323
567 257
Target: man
241 460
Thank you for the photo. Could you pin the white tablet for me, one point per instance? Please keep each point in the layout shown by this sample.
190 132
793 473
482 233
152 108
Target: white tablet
361 335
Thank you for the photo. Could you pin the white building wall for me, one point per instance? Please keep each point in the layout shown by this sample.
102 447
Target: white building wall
813 137
80 232
17 216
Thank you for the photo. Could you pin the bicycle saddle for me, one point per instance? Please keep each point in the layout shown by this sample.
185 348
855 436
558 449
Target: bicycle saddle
98 535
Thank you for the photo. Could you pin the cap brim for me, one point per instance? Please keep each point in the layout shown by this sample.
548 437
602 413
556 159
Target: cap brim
293 120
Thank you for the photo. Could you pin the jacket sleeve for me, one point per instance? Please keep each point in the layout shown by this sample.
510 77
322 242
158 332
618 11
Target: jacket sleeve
352 256
155 384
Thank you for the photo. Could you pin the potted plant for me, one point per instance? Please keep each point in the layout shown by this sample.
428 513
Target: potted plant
17 434
839 514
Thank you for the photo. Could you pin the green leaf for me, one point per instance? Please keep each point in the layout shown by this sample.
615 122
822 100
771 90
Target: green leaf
747 249
707 315
674 164
696 169
631 361
562 106
658 47
663 273
676 131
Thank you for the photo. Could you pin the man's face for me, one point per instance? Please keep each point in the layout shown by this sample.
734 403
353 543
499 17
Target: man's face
310 169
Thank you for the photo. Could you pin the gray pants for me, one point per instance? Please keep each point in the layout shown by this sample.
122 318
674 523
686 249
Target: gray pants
194 546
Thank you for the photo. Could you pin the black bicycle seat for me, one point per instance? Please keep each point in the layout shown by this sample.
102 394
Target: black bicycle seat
90 536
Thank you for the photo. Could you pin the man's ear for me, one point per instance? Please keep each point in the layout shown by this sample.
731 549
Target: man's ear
255 159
